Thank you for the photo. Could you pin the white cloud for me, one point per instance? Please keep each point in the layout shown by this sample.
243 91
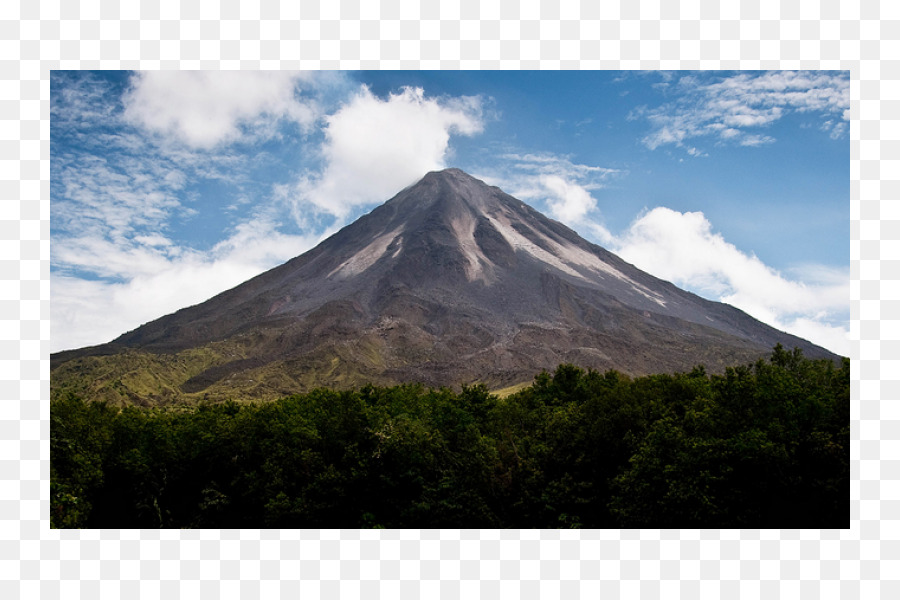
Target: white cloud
569 201
835 130
683 248
756 140
726 109
564 187
90 312
554 164
206 108
374 147
87 312
833 337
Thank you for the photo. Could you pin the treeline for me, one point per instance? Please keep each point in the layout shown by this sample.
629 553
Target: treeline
765 445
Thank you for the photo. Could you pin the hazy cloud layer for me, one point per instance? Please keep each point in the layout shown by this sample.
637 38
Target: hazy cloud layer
737 109
92 311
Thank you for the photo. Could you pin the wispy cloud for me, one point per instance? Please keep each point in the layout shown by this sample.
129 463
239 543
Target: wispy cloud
113 196
562 165
552 180
733 109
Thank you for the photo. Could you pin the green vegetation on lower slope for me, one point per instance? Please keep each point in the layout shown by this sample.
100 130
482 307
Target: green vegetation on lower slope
764 445
134 376
143 378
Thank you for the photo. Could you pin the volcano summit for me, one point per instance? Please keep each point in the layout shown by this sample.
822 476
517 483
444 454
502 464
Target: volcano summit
449 282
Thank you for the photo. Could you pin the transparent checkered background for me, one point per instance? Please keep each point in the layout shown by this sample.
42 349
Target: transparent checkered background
862 562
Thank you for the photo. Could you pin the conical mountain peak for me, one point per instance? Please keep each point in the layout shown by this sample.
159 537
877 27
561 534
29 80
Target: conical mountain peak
451 281
448 189
451 175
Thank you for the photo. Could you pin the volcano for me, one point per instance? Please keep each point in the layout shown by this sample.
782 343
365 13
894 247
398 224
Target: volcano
450 282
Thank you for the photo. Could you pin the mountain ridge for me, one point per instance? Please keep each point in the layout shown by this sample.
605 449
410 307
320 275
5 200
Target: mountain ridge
449 282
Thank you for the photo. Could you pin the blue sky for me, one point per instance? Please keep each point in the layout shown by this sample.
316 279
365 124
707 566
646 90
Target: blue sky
170 187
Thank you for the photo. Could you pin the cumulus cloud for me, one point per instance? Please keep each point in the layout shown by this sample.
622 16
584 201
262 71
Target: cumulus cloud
569 202
206 108
683 248
732 109
374 147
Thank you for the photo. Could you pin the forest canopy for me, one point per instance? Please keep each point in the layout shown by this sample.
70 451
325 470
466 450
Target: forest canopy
763 445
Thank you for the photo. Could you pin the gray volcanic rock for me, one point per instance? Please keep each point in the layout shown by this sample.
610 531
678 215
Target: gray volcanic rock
451 281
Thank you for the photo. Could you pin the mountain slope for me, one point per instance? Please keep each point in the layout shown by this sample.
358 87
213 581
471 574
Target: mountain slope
451 281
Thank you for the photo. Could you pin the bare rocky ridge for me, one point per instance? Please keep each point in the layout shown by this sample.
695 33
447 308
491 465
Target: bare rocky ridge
451 281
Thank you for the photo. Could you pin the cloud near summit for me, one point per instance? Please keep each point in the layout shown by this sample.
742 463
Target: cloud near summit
374 147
